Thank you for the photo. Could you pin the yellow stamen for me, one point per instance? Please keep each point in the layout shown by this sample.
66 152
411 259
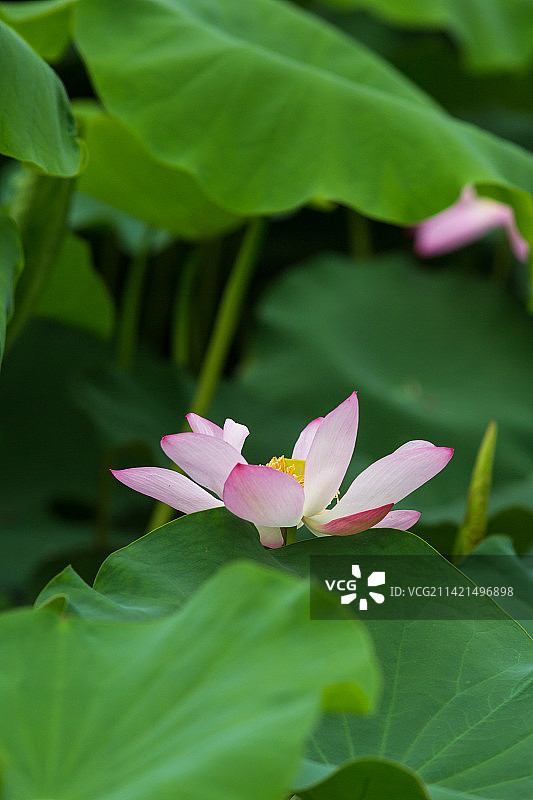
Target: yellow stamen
295 467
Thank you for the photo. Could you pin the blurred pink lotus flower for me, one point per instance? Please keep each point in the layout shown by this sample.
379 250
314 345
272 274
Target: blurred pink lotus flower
465 221
289 492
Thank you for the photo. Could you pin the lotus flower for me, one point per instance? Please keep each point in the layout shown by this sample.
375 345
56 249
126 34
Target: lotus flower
465 221
289 492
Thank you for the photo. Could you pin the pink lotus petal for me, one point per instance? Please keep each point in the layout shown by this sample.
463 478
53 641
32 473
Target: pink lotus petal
343 526
393 477
204 458
169 487
264 496
235 434
270 537
329 455
400 520
200 425
305 439
466 221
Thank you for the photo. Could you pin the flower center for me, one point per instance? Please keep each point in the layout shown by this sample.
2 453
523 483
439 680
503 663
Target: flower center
295 467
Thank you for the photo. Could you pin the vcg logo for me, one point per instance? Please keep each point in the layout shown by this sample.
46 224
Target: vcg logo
350 587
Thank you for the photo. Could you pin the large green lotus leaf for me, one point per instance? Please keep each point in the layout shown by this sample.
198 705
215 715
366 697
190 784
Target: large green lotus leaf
45 25
269 107
10 261
457 692
213 702
37 125
122 172
75 293
494 34
497 102
433 354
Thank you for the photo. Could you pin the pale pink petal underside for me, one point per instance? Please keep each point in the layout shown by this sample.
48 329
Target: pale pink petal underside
235 434
329 455
264 496
393 477
169 487
206 459
305 439
344 526
270 537
200 425
401 520
464 222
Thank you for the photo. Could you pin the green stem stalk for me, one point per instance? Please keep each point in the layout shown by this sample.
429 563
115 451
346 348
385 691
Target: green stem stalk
226 322
359 235
180 344
228 316
184 333
128 325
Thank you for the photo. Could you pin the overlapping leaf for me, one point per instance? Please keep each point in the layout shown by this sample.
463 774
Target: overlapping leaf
269 107
45 25
214 702
36 123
